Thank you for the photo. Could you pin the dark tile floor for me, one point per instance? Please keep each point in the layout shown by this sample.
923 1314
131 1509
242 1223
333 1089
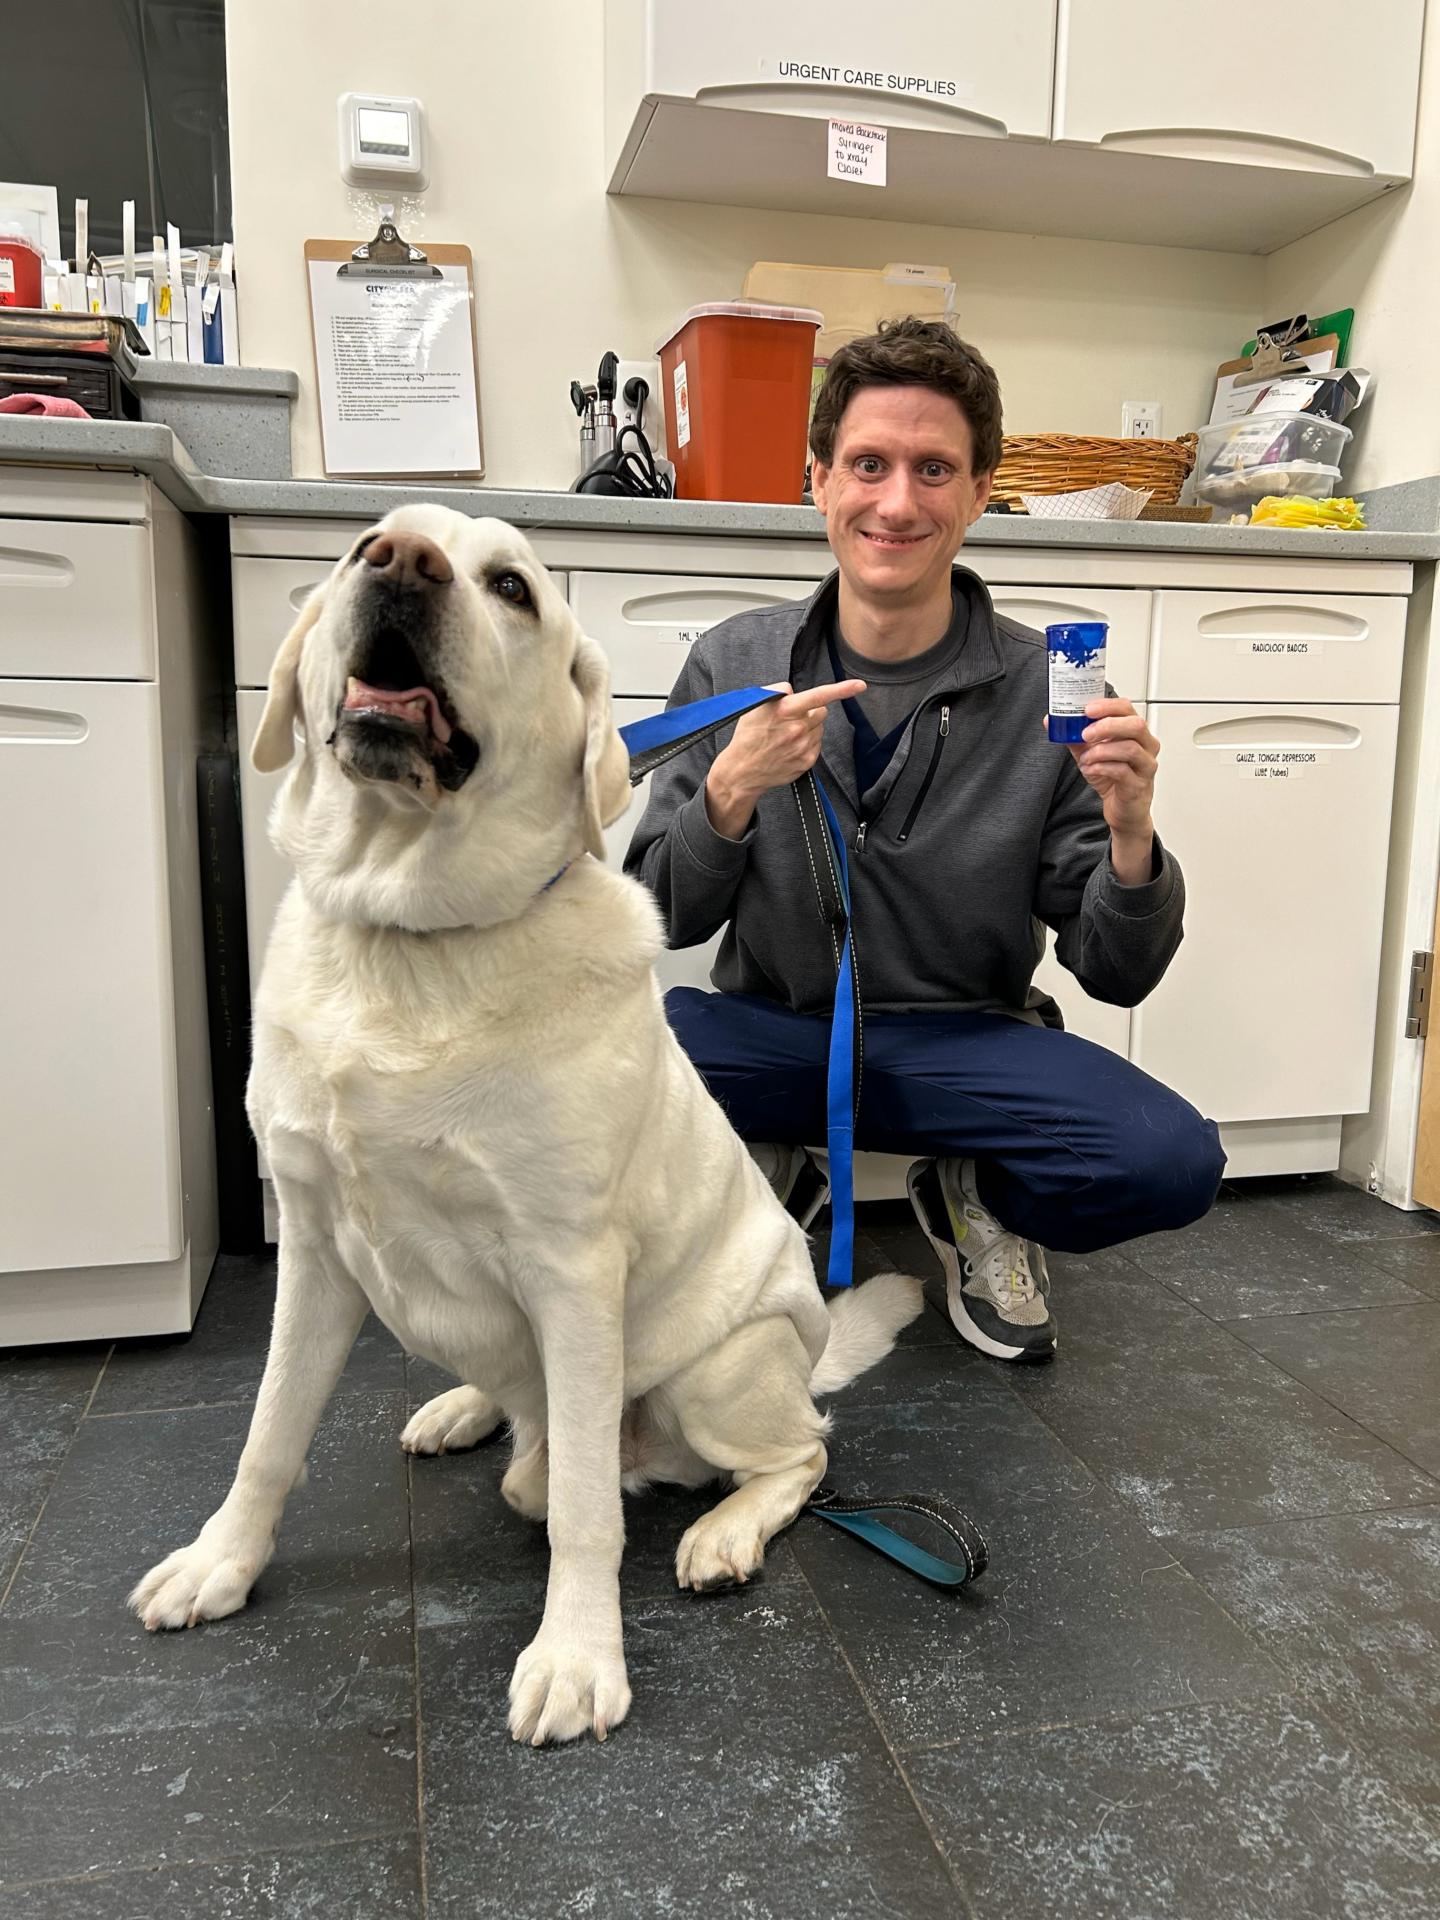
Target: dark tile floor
1202 1676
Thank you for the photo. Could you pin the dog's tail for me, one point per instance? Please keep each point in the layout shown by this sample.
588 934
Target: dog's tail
863 1324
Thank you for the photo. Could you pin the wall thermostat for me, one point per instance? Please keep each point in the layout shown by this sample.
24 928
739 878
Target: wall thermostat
382 141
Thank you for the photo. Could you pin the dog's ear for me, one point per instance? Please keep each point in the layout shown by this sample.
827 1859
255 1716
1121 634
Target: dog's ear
274 742
606 770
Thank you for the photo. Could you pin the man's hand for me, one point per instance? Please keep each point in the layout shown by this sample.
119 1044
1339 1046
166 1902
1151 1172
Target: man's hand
1118 759
771 746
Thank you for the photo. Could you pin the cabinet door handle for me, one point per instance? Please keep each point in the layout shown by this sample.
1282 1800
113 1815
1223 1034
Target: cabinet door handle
32 567
693 609
1226 143
1058 611
41 726
1280 620
844 103
1276 729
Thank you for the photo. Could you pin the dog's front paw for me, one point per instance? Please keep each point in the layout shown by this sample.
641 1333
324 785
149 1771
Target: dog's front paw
204 1581
451 1422
720 1550
526 1486
561 1689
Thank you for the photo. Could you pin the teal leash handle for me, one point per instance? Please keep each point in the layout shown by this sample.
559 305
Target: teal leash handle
856 1516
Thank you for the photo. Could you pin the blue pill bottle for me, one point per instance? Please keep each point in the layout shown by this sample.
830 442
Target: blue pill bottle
1077 676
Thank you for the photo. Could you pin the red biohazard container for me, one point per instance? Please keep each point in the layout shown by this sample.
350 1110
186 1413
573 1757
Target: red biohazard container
22 269
736 385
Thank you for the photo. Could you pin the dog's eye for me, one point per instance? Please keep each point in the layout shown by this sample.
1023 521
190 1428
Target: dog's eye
514 588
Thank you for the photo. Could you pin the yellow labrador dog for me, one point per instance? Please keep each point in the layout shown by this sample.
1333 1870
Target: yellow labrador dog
480 1125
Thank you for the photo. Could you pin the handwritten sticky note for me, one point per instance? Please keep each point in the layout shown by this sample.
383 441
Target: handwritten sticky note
857 152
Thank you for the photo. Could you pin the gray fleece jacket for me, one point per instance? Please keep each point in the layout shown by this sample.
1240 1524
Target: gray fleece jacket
979 834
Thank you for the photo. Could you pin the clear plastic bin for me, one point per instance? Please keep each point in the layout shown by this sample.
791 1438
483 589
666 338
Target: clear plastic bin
1241 461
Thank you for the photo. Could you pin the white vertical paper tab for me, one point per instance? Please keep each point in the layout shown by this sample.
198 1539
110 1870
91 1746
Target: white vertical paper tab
856 152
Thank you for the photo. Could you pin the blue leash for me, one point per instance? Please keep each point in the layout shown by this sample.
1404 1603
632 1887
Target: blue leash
650 743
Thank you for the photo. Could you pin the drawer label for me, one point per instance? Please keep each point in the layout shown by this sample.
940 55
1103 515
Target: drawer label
1278 763
1280 648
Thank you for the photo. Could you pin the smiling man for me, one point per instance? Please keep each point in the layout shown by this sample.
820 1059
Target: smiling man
969 834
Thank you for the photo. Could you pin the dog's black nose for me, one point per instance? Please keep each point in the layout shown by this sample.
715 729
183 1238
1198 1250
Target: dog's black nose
409 559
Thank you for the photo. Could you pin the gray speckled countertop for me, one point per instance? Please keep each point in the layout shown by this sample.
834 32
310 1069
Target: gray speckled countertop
155 450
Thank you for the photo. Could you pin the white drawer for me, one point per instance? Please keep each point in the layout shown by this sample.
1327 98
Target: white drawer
75 601
1126 611
267 595
89 1122
1279 817
646 622
1277 646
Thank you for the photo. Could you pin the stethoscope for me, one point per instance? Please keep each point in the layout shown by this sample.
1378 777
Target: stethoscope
616 462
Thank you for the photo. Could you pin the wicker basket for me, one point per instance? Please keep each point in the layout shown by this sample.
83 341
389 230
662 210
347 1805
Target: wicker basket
1067 462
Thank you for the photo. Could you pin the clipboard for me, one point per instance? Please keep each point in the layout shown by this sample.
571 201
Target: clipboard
397 369
1235 380
1339 323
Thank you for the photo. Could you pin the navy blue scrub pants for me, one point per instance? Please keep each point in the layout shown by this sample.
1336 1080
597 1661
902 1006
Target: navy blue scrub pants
1074 1147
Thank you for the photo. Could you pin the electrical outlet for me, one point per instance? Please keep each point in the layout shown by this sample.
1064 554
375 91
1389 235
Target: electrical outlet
653 420
1140 419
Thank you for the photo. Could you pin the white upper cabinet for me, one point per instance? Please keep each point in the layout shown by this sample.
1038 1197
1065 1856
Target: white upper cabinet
962 66
1137 120
1222 83
730 104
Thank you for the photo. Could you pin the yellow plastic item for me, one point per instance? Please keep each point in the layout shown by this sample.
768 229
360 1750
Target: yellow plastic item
1296 510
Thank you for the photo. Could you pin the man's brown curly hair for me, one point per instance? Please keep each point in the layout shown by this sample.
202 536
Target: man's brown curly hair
913 353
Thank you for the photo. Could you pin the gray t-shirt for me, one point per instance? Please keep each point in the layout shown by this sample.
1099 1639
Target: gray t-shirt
895 688
893 691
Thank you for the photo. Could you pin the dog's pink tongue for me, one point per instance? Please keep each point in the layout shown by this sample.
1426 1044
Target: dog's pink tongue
358 694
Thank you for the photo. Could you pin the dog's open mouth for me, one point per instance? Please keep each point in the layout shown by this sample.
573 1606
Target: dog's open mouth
396 722
416 707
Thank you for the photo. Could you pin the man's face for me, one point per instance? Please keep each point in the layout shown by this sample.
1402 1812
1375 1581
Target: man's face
899 493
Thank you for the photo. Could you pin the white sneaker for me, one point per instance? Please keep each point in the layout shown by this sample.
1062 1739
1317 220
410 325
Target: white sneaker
799 1185
995 1283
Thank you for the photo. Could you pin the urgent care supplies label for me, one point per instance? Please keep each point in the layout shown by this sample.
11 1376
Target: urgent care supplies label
857 152
395 366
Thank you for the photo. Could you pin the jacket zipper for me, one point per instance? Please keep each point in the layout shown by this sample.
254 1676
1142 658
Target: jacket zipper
940 737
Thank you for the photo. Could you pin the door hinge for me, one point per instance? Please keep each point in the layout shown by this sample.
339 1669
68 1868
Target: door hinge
1417 1010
